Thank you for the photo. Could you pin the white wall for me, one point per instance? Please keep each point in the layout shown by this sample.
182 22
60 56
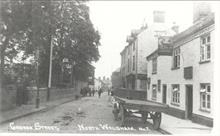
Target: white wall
202 73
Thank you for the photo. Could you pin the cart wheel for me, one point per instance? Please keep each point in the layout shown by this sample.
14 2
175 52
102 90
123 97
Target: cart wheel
156 120
122 115
144 115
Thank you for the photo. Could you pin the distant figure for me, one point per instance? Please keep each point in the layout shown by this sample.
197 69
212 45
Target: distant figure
100 92
109 91
93 92
90 92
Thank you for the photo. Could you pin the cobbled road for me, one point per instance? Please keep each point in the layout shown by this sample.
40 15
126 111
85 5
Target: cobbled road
86 115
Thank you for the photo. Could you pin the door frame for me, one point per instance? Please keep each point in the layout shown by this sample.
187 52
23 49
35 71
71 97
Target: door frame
186 100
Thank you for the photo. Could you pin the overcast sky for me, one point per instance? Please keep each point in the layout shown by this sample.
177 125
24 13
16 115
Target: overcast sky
116 19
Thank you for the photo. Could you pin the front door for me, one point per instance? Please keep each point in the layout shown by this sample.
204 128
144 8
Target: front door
189 101
164 94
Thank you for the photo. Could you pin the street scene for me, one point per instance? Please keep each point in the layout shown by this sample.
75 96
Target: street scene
108 67
94 113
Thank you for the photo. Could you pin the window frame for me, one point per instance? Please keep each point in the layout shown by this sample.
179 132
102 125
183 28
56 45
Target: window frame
154 92
205 105
175 95
154 65
134 63
176 58
205 48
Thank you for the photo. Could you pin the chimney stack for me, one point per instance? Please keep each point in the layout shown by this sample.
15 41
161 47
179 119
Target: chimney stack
159 16
200 10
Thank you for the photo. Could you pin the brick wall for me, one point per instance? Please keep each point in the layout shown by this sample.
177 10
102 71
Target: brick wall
8 98
55 94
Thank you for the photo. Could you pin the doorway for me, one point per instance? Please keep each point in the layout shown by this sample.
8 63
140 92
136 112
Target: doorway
189 101
164 98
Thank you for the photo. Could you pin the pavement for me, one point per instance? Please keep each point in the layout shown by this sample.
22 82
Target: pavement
26 110
175 125
169 124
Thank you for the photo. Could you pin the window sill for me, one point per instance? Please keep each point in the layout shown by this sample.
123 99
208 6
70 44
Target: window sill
204 61
205 110
175 104
154 99
153 73
175 68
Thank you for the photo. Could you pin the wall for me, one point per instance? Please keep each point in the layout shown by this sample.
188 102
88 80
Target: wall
55 94
8 98
202 73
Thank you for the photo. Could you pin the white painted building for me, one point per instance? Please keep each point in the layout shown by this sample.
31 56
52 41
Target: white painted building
184 78
141 43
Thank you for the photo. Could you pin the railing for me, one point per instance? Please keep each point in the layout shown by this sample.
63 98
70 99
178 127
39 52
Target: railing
130 94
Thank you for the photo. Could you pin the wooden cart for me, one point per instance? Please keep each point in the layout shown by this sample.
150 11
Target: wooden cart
147 109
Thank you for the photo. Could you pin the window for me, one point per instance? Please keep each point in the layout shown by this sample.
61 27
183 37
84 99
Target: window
205 97
128 65
175 94
205 48
133 62
154 66
134 45
154 92
128 50
176 58
143 84
159 85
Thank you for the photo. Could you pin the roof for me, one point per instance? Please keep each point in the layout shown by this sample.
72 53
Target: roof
203 23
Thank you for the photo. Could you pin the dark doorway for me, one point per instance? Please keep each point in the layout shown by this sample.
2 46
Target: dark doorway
164 94
189 101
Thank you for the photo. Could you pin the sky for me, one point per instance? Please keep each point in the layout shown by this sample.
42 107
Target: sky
115 20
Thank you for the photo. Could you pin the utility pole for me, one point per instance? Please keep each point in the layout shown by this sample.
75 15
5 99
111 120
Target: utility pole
37 80
50 69
51 59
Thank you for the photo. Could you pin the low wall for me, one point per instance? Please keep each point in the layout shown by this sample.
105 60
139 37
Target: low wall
55 93
8 98
130 94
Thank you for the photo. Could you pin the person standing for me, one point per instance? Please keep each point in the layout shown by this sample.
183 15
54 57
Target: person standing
100 92
93 92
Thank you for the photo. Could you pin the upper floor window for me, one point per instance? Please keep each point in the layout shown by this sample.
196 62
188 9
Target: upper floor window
134 45
205 96
133 62
205 48
128 65
176 57
154 65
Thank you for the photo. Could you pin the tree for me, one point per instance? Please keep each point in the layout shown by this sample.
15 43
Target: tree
28 26
13 27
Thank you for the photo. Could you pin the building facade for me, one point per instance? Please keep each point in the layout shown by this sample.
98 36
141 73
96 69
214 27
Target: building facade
141 43
116 79
184 78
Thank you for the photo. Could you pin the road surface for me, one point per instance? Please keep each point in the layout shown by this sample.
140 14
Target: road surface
87 115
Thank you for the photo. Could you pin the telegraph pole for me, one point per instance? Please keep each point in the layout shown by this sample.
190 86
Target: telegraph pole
37 80
50 69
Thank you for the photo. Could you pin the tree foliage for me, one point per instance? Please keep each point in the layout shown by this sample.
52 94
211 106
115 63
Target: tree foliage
28 26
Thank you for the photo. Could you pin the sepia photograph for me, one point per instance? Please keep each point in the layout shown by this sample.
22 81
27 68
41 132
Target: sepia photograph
109 67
